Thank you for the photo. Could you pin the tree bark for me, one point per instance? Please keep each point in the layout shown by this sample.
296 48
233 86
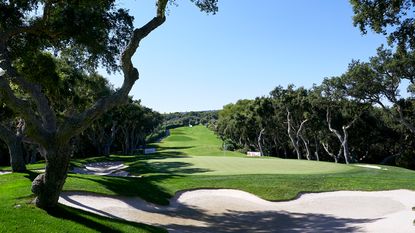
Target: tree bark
326 148
110 139
259 141
342 138
302 137
16 151
317 149
48 186
291 134
15 145
337 133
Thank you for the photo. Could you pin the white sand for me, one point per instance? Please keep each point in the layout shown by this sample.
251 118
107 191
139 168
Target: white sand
5 172
103 169
370 166
228 210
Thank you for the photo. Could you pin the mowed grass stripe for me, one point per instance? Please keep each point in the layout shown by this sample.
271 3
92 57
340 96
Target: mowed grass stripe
202 150
216 165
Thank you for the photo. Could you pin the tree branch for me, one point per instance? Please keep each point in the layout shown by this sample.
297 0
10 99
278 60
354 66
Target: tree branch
80 122
34 128
42 104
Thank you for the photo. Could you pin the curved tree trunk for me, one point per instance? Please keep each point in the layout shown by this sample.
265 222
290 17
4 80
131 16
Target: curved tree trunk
48 186
326 148
307 148
302 137
259 141
342 139
338 135
291 135
317 149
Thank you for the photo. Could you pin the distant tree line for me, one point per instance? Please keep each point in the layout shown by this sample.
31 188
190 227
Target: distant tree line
179 119
359 116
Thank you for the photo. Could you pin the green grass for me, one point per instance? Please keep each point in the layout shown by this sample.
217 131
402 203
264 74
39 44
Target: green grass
17 214
189 159
34 166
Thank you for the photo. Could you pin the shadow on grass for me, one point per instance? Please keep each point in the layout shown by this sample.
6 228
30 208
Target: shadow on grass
164 148
31 175
164 167
130 158
144 187
95 222
162 155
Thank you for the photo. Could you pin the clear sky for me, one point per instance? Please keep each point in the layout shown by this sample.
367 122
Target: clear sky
198 62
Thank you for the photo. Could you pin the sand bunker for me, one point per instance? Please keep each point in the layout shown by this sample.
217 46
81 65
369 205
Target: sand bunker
228 210
5 172
102 169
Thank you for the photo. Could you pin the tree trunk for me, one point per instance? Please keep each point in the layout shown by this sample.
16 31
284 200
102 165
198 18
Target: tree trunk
343 141
16 152
259 141
48 186
326 148
307 148
15 146
302 137
345 145
291 134
317 149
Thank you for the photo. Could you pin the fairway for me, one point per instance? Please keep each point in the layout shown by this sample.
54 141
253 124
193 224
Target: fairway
200 154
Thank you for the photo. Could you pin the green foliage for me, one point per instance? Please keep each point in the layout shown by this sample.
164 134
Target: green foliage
390 17
373 137
86 32
178 119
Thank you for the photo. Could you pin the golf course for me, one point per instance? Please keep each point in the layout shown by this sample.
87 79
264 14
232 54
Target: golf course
189 159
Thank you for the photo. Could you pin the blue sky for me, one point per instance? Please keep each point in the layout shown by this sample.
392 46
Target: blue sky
197 61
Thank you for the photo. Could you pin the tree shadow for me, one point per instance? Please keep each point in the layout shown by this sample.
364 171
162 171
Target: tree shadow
163 155
262 221
144 187
93 221
164 167
192 219
163 148
31 175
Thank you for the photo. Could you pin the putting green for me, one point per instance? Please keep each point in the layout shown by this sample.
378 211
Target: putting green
196 150
216 165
